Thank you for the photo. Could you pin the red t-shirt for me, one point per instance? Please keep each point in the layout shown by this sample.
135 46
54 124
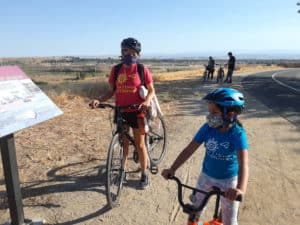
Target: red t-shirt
128 83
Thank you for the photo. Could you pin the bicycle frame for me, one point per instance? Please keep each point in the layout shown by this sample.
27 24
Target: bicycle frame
205 73
119 120
120 127
115 162
192 210
123 132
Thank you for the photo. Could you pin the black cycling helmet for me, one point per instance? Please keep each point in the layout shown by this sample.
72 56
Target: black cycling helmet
131 43
227 99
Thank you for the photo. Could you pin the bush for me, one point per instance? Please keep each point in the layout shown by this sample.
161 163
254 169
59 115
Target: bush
289 64
82 75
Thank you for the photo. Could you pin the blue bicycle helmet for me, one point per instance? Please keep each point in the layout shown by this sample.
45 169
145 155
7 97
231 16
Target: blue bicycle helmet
131 43
228 98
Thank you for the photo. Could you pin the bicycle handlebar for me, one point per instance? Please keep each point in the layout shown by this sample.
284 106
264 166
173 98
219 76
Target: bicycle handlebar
107 105
188 208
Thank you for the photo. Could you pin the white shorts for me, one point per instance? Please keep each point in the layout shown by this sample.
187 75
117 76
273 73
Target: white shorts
229 208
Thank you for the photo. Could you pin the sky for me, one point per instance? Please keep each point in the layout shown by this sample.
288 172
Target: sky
164 27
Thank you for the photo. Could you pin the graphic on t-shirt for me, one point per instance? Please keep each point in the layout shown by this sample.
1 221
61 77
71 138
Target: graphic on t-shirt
126 83
122 79
211 145
218 150
225 144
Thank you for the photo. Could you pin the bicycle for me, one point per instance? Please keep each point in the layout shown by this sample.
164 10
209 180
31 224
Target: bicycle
192 209
220 75
156 143
205 74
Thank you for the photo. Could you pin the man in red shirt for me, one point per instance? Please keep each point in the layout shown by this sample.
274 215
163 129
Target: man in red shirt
126 91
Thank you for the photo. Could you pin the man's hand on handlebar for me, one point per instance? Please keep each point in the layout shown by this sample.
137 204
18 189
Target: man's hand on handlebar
168 173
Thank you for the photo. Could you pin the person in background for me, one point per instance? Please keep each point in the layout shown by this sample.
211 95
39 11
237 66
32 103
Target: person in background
211 67
230 68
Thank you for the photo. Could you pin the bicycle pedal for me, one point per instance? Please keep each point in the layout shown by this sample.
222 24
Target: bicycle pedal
154 169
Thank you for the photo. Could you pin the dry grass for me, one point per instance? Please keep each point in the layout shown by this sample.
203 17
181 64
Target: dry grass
177 75
196 73
60 89
256 68
62 92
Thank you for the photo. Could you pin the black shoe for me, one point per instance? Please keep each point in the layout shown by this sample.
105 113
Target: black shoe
144 183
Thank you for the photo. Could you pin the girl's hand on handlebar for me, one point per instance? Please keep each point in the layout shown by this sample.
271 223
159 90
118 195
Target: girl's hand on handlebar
167 173
94 103
232 193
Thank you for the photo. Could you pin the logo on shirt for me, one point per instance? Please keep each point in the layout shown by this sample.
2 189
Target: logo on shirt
217 150
225 144
122 78
211 145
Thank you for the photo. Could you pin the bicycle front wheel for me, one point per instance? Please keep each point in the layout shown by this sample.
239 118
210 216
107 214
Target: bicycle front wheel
156 140
114 171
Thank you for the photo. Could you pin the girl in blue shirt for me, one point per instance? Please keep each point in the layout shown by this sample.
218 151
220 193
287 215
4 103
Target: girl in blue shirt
225 164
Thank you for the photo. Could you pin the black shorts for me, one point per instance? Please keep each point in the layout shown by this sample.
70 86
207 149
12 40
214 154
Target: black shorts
130 118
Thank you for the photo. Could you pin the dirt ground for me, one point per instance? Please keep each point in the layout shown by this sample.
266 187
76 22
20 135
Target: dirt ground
61 165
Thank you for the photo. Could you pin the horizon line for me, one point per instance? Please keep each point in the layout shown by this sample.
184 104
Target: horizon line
276 54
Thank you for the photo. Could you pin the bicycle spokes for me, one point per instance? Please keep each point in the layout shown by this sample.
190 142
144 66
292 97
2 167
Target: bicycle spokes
156 140
115 172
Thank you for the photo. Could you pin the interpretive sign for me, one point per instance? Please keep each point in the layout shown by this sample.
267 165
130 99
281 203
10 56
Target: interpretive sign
22 103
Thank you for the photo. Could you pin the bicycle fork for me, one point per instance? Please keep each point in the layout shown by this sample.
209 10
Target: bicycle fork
193 220
212 222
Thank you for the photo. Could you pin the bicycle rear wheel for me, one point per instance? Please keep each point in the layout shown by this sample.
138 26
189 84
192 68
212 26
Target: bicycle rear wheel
156 140
114 171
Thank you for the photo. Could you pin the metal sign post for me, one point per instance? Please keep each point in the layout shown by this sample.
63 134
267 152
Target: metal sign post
9 160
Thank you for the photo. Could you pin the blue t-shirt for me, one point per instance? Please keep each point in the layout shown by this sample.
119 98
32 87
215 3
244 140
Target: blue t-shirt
221 160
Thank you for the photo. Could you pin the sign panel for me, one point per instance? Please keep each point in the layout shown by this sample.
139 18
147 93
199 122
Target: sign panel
22 103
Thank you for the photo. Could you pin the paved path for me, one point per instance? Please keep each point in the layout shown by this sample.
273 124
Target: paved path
279 90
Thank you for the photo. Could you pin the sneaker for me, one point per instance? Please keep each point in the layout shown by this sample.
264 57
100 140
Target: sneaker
144 183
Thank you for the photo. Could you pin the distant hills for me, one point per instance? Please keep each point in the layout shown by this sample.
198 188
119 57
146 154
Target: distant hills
272 54
240 54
